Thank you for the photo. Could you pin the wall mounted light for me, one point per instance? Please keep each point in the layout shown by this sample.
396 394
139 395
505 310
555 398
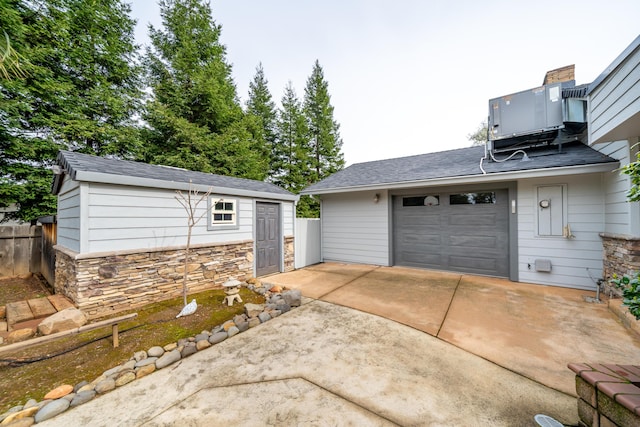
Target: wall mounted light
376 198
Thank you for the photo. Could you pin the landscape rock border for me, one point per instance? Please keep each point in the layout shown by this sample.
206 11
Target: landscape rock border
145 362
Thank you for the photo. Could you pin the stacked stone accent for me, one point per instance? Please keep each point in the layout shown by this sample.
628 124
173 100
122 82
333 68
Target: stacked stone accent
289 254
621 256
115 282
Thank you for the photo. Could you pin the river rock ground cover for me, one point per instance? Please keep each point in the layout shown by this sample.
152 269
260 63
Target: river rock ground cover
31 373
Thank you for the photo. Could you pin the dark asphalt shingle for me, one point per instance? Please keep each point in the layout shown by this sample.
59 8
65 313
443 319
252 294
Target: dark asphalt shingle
73 162
455 163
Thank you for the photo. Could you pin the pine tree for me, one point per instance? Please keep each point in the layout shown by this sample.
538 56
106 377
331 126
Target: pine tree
194 116
79 90
291 150
260 105
324 131
325 143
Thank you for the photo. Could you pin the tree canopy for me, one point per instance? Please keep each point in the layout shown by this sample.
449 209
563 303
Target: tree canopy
78 90
194 116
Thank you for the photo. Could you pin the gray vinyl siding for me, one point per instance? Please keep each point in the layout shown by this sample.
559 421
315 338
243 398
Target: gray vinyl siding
288 218
574 261
355 229
68 217
614 101
126 218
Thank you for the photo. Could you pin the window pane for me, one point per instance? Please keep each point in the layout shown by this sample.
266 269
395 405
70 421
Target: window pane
217 217
228 217
421 201
218 206
488 197
228 206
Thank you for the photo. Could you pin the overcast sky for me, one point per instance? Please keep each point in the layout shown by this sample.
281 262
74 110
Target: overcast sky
414 76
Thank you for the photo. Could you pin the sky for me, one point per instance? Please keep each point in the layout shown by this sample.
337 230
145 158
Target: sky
410 77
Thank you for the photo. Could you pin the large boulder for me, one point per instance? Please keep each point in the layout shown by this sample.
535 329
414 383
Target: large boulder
69 318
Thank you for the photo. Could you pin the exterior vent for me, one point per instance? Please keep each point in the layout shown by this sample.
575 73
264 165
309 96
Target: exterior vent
543 265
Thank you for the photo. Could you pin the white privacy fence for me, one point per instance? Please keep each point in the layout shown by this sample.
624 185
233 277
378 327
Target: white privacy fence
307 242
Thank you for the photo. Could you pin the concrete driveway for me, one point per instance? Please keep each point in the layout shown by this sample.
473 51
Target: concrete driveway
356 353
532 330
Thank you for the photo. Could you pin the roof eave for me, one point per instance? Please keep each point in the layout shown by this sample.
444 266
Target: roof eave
468 179
104 178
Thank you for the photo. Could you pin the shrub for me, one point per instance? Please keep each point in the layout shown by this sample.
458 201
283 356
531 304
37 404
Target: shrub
630 292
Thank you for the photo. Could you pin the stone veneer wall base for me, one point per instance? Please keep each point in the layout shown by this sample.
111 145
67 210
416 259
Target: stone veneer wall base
112 283
621 256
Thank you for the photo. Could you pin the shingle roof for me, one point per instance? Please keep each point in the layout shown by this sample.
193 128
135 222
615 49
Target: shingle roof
74 162
454 163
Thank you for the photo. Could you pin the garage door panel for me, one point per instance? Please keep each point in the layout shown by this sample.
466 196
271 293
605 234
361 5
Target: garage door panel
462 237
422 258
469 219
483 242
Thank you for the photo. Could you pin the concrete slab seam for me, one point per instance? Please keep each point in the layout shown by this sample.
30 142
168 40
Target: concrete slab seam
349 282
444 319
274 380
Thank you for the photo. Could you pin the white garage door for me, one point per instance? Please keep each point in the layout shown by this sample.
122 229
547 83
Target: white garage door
465 232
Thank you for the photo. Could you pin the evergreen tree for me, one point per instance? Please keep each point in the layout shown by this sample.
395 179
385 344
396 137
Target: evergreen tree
324 134
194 116
260 105
78 91
324 131
291 150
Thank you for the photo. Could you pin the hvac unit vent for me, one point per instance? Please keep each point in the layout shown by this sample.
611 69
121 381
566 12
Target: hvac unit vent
528 118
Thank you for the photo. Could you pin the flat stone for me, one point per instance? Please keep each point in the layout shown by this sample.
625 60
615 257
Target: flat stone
188 350
60 302
52 409
275 313
155 351
29 412
276 288
218 337
4 326
168 358
59 392
264 317
24 422
253 310
242 326
202 344
143 371
125 378
64 320
17 312
78 386
170 347
253 322
105 385
41 307
20 335
87 387
129 365
233 331
82 397
113 371
146 362
69 396
201 337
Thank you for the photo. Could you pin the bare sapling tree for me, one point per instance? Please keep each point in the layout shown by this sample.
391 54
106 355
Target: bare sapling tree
190 202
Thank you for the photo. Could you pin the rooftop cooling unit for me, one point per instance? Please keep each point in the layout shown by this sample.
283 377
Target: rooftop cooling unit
535 117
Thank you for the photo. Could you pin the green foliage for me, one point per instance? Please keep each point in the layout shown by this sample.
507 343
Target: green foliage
261 107
479 137
630 292
324 132
79 91
633 170
194 117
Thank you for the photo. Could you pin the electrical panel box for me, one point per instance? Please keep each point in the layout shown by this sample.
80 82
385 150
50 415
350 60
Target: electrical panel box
528 112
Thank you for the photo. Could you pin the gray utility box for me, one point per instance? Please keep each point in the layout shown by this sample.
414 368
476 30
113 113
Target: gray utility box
528 112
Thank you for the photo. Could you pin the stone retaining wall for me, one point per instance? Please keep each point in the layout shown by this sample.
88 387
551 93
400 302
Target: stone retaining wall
621 256
111 283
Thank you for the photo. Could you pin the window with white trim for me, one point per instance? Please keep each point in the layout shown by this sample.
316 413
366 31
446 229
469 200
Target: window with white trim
224 211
